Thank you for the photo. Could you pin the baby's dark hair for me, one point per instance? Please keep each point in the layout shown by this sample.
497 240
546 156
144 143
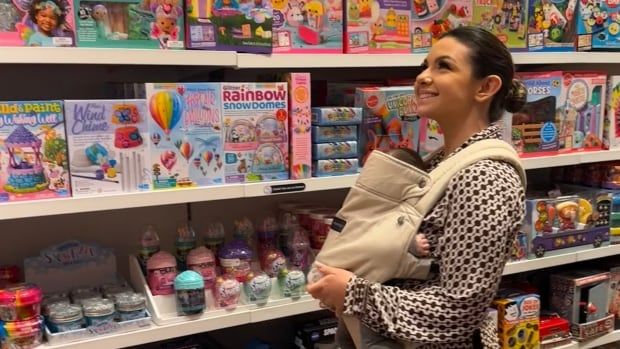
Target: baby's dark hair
409 156
36 6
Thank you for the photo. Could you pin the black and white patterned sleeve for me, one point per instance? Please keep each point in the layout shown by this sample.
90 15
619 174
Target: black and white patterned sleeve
485 204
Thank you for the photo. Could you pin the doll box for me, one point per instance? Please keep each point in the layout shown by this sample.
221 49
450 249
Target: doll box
300 153
255 131
377 26
551 25
534 129
108 146
230 25
582 114
611 125
597 25
507 19
185 127
432 18
33 151
581 296
313 26
19 23
130 23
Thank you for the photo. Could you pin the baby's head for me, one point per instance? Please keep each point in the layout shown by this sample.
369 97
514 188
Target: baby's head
409 156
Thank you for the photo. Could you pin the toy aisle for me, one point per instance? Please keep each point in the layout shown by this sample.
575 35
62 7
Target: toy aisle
169 169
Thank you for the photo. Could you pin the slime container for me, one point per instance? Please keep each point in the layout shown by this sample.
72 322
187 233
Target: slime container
292 282
130 306
258 287
190 293
214 238
227 291
299 248
202 261
244 230
267 232
161 269
98 311
25 334
185 242
65 317
321 224
20 302
235 258
149 245
303 215
272 262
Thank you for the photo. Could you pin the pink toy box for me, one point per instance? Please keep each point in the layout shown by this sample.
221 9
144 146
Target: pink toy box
378 26
611 129
185 127
313 26
36 23
255 131
432 18
389 119
33 151
300 155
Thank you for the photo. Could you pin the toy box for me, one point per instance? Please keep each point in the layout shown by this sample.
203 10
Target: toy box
130 23
614 294
230 25
378 26
320 333
534 129
554 331
389 119
576 221
517 318
611 125
255 127
597 25
36 23
332 116
33 151
108 146
336 150
581 117
519 247
343 133
581 297
185 128
551 25
432 18
300 133
507 19
334 167
431 136
313 26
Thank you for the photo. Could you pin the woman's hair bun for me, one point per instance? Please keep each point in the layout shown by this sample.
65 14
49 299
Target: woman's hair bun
516 97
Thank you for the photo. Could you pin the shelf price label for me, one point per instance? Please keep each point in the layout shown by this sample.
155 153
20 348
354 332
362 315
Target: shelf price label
284 188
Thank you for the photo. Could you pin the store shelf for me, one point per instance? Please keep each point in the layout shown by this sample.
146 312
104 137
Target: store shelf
304 185
68 55
571 159
608 338
600 252
246 60
566 57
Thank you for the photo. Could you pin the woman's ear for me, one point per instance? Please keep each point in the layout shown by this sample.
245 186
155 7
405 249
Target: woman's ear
488 88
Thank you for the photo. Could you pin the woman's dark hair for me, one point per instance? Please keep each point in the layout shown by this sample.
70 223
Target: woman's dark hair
489 56
35 8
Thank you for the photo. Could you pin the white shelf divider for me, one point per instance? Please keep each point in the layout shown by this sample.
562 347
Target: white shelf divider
602 340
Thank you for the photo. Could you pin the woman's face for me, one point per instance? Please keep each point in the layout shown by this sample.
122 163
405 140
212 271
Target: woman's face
446 88
46 20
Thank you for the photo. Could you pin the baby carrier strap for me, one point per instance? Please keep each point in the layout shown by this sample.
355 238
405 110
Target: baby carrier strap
488 149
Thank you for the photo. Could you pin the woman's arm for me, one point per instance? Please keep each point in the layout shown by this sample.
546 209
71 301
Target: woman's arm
484 204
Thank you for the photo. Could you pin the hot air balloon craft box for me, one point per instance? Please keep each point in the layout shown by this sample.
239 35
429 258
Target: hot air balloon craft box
255 130
108 146
36 23
185 126
33 151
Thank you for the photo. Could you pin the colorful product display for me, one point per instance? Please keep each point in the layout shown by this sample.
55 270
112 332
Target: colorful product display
432 18
552 25
37 23
189 287
597 25
507 19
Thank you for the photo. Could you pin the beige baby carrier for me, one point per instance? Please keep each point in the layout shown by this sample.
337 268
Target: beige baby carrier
373 231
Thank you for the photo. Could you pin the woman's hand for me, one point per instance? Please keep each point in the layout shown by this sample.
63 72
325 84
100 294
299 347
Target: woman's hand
331 288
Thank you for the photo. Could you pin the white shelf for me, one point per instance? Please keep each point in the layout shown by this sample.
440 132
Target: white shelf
571 159
608 338
566 57
69 55
246 60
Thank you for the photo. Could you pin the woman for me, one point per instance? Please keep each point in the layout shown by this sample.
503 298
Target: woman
466 84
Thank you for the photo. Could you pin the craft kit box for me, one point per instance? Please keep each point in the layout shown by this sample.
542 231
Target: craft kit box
518 323
432 18
507 19
300 133
37 23
108 146
314 26
185 131
611 124
33 151
130 23
552 25
378 26
597 25
230 25
255 119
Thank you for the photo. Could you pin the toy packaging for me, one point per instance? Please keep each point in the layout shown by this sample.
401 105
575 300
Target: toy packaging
33 151
551 25
432 18
300 133
313 26
326 134
581 297
611 124
430 138
337 150
507 19
320 333
130 23
378 26
185 129
108 146
36 23
517 318
389 119
335 167
581 118
255 127
230 25
614 294
519 247
534 129
597 25
576 221
330 116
